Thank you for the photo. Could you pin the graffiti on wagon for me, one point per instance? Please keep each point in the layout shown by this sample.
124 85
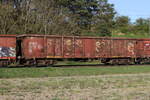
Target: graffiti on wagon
7 52
131 48
34 46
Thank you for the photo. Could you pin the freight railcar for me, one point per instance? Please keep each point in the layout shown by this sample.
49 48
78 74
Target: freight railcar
143 51
45 49
7 49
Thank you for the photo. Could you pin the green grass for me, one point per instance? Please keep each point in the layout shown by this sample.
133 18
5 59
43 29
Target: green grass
84 71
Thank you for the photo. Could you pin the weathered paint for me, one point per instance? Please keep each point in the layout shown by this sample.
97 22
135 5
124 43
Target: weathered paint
89 48
131 47
53 47
79 48
123 48
40 46
143 48
33 47
102 48
68 46
50 48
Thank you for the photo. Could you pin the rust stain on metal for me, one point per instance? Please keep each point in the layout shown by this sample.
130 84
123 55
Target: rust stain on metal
78 47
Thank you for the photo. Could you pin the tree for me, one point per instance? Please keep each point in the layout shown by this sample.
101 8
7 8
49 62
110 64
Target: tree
37 17
142 25
91 14
141 22
122 21
103 19
84 9
122 24
7 19
62 16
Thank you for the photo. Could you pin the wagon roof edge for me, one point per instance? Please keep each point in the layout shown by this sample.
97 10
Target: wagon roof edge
8 35
38 35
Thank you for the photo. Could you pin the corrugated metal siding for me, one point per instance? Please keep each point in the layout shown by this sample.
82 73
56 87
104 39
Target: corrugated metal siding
143 48
77 47
123 48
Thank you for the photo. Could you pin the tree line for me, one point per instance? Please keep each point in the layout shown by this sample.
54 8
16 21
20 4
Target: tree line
66 17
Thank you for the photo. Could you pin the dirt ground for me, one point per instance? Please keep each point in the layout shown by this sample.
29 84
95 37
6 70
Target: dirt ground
104 87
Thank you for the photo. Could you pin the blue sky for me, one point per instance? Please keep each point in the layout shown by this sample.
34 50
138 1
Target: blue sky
132 8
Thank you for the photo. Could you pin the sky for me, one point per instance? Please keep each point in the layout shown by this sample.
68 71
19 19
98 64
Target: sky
132 8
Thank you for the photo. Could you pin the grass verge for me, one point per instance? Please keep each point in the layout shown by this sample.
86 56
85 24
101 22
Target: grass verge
79 71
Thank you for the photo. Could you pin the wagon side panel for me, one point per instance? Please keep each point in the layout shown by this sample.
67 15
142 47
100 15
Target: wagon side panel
54 47
143 48
89 48
68 47
33 47
102 48
79 48
131 50
123 48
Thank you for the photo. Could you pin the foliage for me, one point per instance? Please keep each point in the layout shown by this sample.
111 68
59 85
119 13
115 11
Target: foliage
7 19
92 16
67 17
37 17
122 21
142 25
63 17
124 25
